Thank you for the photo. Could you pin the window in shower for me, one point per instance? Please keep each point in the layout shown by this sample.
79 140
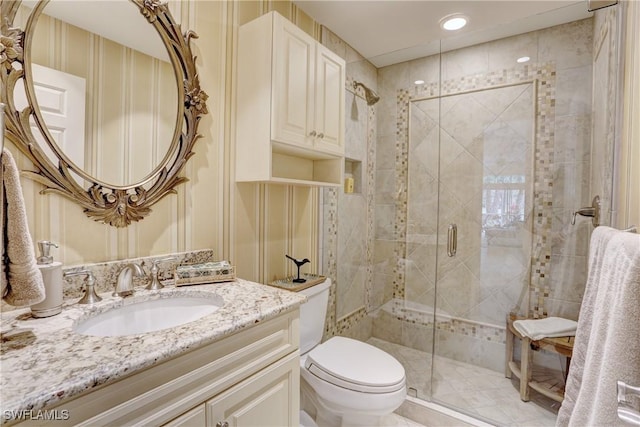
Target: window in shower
503 209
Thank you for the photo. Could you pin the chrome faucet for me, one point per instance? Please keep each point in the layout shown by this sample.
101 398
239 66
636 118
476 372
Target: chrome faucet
124 284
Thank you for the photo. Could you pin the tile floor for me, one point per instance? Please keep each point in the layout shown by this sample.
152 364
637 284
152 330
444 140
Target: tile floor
395 420
476 391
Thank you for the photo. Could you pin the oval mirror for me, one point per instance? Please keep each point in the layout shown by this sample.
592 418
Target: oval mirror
104 99
119 86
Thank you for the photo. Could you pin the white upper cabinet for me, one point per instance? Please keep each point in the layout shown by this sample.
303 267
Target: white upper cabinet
290 106
293 86
329 108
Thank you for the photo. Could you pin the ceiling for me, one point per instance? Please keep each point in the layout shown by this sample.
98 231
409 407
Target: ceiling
391 31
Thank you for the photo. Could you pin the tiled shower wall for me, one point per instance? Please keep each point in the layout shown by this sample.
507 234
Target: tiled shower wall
347 222
561 61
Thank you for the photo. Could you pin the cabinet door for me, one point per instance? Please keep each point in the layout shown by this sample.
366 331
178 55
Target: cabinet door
269 398
329 104
193 418
292 118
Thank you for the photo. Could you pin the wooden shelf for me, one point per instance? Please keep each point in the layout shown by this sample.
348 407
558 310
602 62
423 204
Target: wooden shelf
556 394
523 370
514 368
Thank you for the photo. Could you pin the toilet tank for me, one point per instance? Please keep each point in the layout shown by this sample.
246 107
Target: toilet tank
312 315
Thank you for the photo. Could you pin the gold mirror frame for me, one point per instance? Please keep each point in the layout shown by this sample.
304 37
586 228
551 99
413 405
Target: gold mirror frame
115 205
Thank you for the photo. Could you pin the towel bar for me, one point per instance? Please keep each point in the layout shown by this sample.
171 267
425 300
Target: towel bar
626 412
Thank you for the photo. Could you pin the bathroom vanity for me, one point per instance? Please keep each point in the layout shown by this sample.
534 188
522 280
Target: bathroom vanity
236 366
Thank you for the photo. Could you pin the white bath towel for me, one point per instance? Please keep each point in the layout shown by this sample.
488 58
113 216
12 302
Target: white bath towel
536 329
21 279
607 343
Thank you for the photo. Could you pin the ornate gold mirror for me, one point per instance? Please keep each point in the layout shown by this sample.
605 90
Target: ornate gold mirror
109 118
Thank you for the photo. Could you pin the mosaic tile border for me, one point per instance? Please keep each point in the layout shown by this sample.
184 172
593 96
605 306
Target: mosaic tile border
397 310
348 322
402 192
371 184
330 200
544 78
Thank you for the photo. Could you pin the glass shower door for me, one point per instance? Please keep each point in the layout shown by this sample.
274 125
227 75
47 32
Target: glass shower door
485 236
468 249
421 241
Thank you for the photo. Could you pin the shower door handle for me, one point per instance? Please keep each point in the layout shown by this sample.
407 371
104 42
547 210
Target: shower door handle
452 240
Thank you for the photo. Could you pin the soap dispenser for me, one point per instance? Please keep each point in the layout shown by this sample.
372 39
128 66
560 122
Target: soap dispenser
52 277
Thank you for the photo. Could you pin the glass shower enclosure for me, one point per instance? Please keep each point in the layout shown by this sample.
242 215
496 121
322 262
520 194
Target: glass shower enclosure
493 146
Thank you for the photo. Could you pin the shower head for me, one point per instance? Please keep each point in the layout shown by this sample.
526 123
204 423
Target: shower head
369 94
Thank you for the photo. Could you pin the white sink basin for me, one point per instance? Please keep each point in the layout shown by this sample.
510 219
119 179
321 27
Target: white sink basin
149 316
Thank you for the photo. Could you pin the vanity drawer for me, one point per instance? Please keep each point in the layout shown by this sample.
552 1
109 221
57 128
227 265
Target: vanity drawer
163 392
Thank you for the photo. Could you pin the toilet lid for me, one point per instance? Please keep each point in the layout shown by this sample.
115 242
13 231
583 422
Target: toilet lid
356 365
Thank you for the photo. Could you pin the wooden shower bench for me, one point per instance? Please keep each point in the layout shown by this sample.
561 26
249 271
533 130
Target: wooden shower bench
559 345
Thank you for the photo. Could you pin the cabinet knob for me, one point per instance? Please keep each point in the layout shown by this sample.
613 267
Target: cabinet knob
321 135
312 133
222 424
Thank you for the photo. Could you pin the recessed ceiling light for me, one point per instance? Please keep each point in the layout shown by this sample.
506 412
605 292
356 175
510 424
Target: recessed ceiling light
419 82
523 59
454 22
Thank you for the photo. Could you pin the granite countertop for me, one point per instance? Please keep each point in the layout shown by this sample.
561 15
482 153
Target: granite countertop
43 361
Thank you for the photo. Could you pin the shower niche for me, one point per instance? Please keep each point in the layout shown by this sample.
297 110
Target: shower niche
352 176
290 106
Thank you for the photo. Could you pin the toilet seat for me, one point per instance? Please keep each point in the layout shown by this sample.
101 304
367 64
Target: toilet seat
355 365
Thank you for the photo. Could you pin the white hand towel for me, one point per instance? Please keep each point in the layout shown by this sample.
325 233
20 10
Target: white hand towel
549 327
21 279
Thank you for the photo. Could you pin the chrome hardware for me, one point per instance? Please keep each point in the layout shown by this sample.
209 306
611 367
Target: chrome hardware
90 296
321 135
222 424
452 240
626 411
369 94
124 284
155 283
592 211
313 133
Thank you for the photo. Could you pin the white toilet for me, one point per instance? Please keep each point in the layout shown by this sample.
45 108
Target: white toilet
344 381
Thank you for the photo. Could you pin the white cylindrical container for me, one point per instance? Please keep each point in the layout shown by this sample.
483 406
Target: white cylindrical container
52 278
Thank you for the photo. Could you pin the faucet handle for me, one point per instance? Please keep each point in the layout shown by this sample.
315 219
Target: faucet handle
90 295
155 283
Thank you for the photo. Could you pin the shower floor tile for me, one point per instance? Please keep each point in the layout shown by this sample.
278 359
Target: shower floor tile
473 390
